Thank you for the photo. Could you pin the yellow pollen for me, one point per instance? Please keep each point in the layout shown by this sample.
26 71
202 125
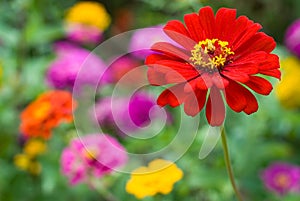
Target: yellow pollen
282 180
211 54
91 154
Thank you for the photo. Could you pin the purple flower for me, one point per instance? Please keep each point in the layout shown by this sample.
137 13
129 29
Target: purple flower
83 33
282 178
64 70
126 114
292 38
123 65
93 155
143 39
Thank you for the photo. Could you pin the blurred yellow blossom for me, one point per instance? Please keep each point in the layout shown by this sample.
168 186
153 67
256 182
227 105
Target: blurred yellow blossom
90 14
34 147
288 90
26 163
158 177
22 161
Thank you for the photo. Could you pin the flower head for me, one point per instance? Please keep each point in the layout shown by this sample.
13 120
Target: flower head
131 113
292 38
27 163
93 155
119 69
83 34
64 70
287 91
219 54
158 177
90 14
34 147
143 39
45 113
282 178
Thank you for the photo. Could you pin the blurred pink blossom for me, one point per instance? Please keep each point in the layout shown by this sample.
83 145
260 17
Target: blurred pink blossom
83 34
72 60
292 38
93 155
282 178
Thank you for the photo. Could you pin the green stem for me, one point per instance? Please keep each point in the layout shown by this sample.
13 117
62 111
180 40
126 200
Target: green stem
228 165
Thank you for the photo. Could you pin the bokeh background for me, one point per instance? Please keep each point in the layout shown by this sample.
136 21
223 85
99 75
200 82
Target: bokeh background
29 33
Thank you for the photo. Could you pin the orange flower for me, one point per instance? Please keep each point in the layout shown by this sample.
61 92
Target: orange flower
46 113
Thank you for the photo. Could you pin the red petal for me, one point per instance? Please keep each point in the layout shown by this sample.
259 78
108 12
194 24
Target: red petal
176 65
234 96
156 78
258 42
274 73
180 76
172 96
252 105
171 50
271 62
197 83
176 30
246 68
215 109
225 19
235 75
194 102
259 85
193 25
243 30
176 71
219 81
207 21
153 58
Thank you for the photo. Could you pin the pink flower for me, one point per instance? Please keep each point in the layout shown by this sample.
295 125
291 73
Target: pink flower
292 38
143 39
123 65
92 156
282 178
72 60
127 115
83 34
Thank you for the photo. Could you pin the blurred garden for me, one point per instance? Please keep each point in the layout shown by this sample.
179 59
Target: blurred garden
124 100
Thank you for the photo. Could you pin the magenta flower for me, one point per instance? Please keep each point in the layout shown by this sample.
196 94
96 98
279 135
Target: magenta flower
282 178
292 38
92 156
130 113
143 39
83 34
71 60
121 66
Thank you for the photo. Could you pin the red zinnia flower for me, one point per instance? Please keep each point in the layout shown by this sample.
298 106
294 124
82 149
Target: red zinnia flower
219 53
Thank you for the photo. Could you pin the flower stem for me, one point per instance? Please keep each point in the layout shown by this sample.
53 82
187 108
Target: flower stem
228 165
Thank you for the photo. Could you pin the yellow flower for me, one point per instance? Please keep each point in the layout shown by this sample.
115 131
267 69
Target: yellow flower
26 163
288 90
34 147
158 177
89 13
22 161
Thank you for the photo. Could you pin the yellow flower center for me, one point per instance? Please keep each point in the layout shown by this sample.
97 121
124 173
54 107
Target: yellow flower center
91 154
211 54
42 111
282 180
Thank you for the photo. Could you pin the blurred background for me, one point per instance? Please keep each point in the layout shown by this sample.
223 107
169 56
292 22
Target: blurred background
41 44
